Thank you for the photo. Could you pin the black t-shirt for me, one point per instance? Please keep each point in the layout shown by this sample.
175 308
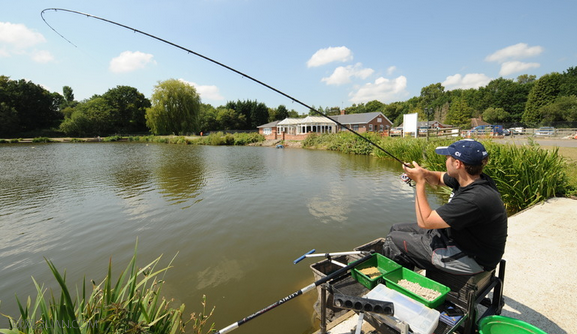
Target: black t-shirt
477 219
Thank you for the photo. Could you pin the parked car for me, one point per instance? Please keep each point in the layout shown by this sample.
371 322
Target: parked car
487 130
518 130
398 131
506 132
545 131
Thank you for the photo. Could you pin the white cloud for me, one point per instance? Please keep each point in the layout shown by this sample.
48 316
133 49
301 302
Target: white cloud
329 55
517 51
42 56
343 75
382 89
209 92
510 67
18 36
129 61
391 70
471 80
509 58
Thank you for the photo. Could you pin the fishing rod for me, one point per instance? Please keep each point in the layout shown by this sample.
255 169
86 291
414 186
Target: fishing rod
217 63
293 295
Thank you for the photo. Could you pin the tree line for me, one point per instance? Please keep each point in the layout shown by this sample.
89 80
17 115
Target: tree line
27 109
175 108
525 101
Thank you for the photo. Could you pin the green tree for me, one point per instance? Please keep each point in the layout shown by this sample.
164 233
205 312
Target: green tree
93 117
563 109
68 98
374 106
495 115
8 120
568 84
35 106
229 119
432 96
507 95
129 108
255 113
8 116
278 114
460 113
393 111
544 92
526 78
208 120
175 108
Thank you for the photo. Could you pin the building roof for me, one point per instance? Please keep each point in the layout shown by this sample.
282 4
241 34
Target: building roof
343 119
478 121
306 120
317 120
290 121
269 125
363 118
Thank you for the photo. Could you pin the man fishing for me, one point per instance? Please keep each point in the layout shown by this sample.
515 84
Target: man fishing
466 235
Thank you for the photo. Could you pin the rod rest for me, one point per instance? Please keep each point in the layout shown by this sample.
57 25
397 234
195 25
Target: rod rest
363 304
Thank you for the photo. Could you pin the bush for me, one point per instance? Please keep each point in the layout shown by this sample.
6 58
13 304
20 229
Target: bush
41 140
112 138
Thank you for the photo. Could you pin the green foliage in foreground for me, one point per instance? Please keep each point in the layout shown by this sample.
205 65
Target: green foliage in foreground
525 175
131 305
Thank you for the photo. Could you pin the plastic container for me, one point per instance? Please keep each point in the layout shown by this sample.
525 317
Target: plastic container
420 318
392 279
497 324
382 263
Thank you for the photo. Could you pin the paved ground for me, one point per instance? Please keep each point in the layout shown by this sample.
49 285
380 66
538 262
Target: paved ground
541 275
520 140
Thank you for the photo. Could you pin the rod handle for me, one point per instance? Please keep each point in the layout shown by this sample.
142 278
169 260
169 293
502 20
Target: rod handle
304 256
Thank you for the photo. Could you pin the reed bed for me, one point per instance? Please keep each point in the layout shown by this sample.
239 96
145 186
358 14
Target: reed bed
131 305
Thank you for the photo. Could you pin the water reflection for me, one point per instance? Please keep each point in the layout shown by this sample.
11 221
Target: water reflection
179 173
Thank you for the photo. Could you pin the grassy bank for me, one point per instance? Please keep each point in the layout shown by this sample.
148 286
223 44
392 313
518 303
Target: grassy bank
525 175
216 138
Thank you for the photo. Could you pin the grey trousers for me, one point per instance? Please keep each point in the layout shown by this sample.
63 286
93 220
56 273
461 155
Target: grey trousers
412 246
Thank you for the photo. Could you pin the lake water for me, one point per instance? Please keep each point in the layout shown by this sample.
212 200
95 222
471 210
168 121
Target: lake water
235 217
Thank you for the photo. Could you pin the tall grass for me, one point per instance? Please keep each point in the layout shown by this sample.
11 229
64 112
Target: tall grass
132 304
527 175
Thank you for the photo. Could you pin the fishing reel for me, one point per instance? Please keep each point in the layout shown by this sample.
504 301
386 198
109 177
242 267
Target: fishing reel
405 178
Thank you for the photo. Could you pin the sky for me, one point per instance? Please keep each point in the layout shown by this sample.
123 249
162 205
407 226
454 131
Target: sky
323 53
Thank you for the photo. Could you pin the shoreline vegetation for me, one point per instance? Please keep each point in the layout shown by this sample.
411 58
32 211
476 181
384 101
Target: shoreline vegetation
525 174
134 304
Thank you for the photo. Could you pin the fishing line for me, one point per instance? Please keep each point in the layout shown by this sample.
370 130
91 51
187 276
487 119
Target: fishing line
244 75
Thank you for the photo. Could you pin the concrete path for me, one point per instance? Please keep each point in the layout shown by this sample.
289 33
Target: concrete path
541 275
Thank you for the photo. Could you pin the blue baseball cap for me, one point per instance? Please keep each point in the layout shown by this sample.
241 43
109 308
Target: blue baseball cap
469 151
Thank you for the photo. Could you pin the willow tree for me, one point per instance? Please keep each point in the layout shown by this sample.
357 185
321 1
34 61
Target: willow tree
175 108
